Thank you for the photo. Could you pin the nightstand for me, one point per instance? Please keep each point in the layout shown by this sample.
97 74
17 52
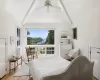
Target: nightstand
15 62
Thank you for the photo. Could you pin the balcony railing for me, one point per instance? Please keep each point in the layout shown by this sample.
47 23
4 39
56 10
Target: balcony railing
42 49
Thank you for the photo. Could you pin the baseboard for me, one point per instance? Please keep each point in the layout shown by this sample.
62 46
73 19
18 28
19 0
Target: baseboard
2 77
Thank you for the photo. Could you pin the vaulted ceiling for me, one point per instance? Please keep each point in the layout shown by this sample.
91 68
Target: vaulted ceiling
37 13
77 10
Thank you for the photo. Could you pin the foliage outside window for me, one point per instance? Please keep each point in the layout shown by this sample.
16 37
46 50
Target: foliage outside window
40 37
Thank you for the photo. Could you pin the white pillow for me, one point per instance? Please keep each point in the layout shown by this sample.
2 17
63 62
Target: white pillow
73 53
67 57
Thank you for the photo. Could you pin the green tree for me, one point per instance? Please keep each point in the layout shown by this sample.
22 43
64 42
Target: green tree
50 37
29 40
32 41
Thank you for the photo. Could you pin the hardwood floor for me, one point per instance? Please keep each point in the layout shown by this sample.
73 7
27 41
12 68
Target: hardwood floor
10 77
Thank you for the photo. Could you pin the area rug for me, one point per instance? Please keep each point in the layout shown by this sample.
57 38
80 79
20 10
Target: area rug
22 71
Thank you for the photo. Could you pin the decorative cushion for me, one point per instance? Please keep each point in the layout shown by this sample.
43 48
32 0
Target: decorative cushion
67 57
73 53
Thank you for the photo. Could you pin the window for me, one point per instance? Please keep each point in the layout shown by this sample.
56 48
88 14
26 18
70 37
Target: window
40 37
18 37
74 33
50 50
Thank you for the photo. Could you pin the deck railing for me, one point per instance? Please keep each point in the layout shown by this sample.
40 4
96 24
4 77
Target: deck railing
42 49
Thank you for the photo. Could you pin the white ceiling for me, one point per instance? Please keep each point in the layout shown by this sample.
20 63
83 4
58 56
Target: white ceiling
19 8
77 9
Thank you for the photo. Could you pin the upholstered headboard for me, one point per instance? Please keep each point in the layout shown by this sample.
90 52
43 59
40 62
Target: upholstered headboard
80 69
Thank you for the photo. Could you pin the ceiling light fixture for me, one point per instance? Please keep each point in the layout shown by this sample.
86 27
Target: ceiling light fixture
48 4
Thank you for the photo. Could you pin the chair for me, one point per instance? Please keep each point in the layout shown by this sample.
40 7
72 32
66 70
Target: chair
29 55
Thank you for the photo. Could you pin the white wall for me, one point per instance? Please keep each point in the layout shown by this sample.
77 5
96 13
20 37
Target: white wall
19 8
7 28
57 26
85 14
2 4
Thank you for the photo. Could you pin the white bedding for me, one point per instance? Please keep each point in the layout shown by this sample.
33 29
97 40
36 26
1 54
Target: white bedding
47 66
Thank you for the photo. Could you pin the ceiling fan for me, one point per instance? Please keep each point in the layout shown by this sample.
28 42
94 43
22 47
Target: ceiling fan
48 4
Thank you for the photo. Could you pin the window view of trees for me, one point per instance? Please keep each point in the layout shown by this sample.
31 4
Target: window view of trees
50 37
40 40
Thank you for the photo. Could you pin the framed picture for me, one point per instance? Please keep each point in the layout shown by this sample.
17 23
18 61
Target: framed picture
11 39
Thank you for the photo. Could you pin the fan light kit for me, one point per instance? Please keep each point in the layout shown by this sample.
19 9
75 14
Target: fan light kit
48 4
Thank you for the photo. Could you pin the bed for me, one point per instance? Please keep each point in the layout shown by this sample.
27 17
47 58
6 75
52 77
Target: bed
57 68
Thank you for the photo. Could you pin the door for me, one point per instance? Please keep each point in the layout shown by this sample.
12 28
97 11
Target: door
2 57
95 55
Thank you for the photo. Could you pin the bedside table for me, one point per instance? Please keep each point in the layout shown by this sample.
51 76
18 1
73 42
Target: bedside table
15 62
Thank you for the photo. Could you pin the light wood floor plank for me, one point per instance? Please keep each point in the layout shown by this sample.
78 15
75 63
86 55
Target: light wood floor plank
10 77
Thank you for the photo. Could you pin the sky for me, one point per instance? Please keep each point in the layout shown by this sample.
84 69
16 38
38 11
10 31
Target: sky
38 33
